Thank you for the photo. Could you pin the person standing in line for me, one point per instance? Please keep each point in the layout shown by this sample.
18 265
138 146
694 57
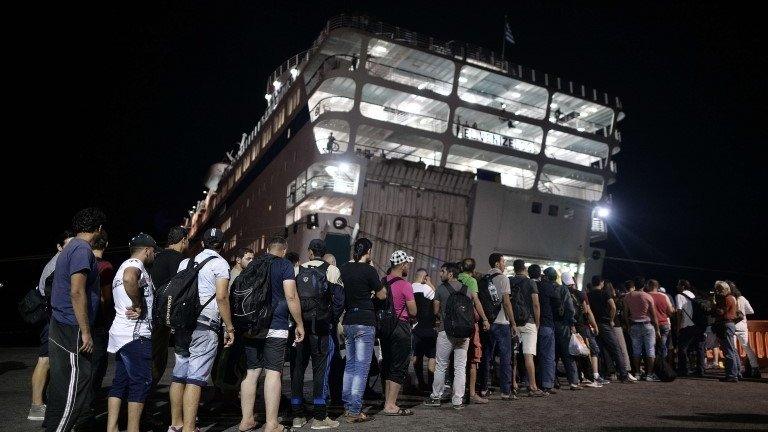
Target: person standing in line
724 327
396 347
525 294
664 310
243 257
104 315
742 329
475 354
40 374
643 329
193 363
565 322
130 333
424 334
604 309
75 297
361 284
585 321
689 332
165 266
545 346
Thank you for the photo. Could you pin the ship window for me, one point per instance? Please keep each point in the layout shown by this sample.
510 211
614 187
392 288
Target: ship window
553 210
323 177
515 172
406 109
334 205
575 149
580 114
407 66
339 51
569 213
333 95
398 145
570 182
498 131
536 207
479 86
331 136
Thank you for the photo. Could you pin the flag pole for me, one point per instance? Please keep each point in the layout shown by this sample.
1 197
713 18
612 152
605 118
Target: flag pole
504 39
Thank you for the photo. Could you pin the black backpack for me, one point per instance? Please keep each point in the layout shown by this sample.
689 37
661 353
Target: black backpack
386 319
558 311
33 307
578 307
250 298
177 303
701 309
459 316
314 294
518 303
489 297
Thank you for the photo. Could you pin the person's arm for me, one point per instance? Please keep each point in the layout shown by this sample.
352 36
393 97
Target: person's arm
411 305
611 310
80 306
222 300
536 309
654 319
479 309
748 307
590 316
131 277
294 306
506 305
428 282
670 308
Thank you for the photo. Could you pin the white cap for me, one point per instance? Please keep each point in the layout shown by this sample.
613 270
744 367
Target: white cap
567 278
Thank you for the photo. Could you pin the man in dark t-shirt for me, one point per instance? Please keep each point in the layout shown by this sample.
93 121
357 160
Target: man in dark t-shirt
75 298
604 310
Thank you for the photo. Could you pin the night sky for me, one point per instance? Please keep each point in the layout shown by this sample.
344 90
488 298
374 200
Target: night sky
125 108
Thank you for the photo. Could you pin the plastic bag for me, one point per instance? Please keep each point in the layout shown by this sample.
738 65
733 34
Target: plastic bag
577 346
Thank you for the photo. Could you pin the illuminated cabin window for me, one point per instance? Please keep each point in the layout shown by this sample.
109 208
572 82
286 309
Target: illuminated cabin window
407 66
515 172
575 149
498 131
580 114
570 182
331 136
479 86
324 177
395 144
405 109
333 95
279 118
265 136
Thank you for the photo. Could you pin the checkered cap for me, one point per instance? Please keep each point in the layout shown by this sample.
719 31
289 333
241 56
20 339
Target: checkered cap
400 257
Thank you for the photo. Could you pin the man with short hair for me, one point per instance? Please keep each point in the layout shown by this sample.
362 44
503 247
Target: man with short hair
643 329
130 333
317 346
165 266
268 354
475 354
40 374
424 334
501 331
528 300
75 298
193 364
604 309
447 345
243 257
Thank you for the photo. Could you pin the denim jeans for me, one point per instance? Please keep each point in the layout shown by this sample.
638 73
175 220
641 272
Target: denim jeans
691 335
546 357
643 339
563 339
664 329
727 334
359 342
501 337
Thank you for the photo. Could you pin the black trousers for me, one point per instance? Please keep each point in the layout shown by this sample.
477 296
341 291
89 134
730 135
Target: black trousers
608 343
396 354
691 337
70 389
318 348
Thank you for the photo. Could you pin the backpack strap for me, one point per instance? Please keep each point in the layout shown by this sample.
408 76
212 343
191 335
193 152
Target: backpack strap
463 289
203 262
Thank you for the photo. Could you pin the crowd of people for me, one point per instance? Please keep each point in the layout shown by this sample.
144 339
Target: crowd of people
476 332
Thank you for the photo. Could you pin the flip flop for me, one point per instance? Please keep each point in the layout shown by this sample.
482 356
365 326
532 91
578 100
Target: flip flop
401 412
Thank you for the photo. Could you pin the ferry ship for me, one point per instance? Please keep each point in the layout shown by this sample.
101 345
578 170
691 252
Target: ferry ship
440 148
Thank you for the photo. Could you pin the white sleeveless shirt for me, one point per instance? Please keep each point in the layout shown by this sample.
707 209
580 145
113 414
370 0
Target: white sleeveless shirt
125 330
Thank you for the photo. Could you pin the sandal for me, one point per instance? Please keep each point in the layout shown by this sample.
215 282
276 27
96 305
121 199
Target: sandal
401 412
359 418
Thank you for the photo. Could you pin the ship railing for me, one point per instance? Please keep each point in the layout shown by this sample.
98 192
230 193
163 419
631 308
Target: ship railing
512 105
331 63
582 125
322 146
409 78
398 116
294 62
332 104
369 151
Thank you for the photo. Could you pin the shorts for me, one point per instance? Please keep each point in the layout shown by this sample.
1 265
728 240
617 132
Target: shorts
528 337
44 339
396 354
267 353
424 346
196 367
643 337
475 352
133 371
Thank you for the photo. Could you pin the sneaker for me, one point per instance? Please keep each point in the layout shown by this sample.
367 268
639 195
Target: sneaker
631 377
575 387
432 402
477 399
591 384
299 422
602 381
174 428
652 378
326 423
458 407
36 412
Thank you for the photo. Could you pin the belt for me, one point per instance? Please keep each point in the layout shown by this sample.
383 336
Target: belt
640 322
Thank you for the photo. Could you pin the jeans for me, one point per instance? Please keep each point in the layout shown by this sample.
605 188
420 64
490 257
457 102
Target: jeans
359 341
726 334
609 344
643 339
445 346
691 335
563 339
546 357
664 329
501 337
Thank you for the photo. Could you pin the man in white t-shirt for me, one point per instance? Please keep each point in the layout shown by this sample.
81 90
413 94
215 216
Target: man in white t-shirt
193 366
131 332
688 332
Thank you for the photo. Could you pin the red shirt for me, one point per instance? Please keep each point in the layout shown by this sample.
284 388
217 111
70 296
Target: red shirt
731 306
639 304
661 303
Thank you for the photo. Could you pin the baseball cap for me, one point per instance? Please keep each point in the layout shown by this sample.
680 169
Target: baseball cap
567 278
550 273
142 240
399 257
213 235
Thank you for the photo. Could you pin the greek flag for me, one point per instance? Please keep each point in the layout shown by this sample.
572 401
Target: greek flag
508 33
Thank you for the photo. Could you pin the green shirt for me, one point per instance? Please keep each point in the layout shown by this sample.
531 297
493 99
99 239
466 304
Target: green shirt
469 281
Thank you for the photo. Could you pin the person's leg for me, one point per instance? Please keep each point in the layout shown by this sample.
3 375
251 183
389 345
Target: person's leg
160 338
700 342
272 389
99 359
400 358
649 347
460 351
503 336
248 398
319 347
113 413
443 353
190 404
684 340
563 340
611 346
743 339
39 378
726 341
138 366
359 340
664 330
202 354
299 358
176 396
488 341
118 391
547 357
475 356
134 415
618 334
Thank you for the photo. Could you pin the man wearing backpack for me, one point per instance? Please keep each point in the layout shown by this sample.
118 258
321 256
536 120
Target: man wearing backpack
455 324
268 353
315 282
495 285
193 365
525 303
692 322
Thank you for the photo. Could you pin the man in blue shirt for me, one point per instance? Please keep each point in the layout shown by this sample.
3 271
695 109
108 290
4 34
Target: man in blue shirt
75 298
546 343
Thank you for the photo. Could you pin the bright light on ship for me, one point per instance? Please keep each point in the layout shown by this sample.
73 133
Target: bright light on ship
463 79
515 95
380 50
294 73
422 86
277 84
268 97
603 212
